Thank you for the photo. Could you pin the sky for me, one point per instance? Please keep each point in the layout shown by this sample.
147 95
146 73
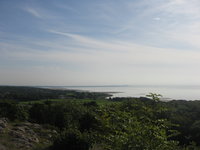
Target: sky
99 42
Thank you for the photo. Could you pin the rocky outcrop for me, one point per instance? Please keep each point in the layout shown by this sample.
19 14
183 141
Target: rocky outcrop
2 147
3 124
25 135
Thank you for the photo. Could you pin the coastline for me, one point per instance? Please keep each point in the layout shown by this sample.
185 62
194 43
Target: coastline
169 93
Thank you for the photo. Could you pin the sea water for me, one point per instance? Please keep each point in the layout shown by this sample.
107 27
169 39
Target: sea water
168 92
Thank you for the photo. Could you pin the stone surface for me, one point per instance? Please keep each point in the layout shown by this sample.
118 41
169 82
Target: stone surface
2 147
3 122
24 135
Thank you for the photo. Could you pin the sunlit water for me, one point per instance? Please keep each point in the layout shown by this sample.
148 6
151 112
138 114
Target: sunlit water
168 92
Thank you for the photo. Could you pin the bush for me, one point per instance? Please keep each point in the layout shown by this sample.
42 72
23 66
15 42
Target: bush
71 140
61 115
12 110
88 121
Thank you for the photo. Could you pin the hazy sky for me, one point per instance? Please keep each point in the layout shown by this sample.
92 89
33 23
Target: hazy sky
99 42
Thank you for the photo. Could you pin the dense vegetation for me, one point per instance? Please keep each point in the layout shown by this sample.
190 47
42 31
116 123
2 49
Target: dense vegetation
34 93
84 122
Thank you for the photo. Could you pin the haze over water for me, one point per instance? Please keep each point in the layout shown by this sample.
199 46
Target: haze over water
169 92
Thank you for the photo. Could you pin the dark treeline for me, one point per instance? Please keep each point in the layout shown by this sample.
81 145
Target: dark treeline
21 93
118 124
186 114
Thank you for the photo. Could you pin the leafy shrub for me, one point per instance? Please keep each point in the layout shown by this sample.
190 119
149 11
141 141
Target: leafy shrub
61 115
13 110
71 140
88 121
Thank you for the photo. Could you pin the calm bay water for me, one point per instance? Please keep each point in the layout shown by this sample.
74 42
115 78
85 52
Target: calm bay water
168 92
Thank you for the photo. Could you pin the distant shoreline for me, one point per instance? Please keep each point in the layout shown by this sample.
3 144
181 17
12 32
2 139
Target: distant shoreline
176 92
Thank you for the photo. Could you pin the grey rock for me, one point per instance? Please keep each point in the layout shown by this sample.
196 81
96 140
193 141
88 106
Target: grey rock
28 124
3 122
20 141
1 129
54 132
2 147
29 131
17 134
33 139
36 126
20 129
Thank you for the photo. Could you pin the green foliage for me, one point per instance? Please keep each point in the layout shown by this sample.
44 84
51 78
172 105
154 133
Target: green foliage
155 97
132 126
91 104
13 110
186 115
88 121
71 140
61 115
115 124
21 93
129 125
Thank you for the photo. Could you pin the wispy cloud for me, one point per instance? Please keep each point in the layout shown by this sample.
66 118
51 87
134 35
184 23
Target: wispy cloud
175 21
100 52
33 12
67 7
42 13
146 64
157 18
184 7
125 42
92 43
